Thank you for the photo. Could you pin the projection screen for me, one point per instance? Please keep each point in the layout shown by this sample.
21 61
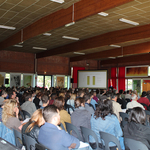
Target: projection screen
92 79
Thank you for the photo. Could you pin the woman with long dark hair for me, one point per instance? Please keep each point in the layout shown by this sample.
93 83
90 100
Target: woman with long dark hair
104 120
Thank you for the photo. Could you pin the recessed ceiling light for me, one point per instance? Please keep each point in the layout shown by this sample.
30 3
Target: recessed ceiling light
103 14
129 21
58 1
70 24
47 34
40 48
70 38
18 45
112 45
79 53
7 27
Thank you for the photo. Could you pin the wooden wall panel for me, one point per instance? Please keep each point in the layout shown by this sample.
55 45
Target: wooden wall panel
16 62
53 65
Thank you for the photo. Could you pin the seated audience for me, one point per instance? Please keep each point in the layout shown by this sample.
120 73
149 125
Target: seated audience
10 115
122 95
3 96
45 101
64 116
121 101
53 96
51 136
144 100
28 105
80 93
72 100
104 120
103 95
32 127
134 103
128 95
80 117
136 128
88 106
93 102
37 100
94 96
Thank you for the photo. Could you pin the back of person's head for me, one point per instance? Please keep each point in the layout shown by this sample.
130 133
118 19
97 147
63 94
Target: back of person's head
134 97
28 95
104 108
53 96
8 110
39 94
79 102
113 96
44 99
49 112
80 93
148 92
137 115
120 91
118 95
87 97
4 93
143 94
127 91
73 96
62 94
59 103
36 119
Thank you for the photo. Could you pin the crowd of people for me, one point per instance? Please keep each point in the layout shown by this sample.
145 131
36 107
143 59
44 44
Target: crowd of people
97 110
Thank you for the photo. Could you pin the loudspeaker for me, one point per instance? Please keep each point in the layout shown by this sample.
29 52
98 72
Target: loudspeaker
6 81
71 80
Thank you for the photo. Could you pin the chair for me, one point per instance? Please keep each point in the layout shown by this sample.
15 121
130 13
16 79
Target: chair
68 107
30 142
107 138
26 114
88 132
134 145
40 147
21 113
124 117
71 127
18 138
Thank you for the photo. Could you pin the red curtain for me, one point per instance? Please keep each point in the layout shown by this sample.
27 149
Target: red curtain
75 75
121 78
113 77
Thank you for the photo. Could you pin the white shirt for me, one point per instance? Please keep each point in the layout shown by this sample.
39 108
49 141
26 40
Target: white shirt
133 104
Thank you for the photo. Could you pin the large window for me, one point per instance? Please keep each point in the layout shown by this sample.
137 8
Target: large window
7 76
40 81
47 82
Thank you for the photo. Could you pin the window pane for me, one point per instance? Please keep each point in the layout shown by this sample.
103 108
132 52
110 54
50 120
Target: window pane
7 76
47 82
40 81
65 81
129 84
54 81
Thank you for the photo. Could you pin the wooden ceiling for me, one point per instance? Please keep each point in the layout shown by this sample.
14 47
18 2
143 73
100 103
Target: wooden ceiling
35 17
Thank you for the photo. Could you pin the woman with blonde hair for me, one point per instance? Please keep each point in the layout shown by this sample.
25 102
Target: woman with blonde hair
10 115
32 127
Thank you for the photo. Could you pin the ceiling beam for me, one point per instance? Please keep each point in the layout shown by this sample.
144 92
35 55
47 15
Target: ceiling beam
128 50
82 9
119 36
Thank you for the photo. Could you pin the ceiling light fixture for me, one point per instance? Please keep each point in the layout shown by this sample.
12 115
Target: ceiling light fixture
129 21
103 14
112 45
7 27
79 53
58 1
40 48
47 34
73 22
112 57
18 45
70 38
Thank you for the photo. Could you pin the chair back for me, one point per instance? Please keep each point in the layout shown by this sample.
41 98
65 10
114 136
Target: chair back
124 117
134 145
29 142
26 114
18 138
88 132
70 127
40 147
69 108
107 138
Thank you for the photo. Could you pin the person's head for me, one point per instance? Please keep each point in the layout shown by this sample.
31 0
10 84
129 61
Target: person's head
79 102
73 96
128 91
121 91
62 94
39 95
12 94
114 97
143 94
10 109
51 115
87 98
36 119
118 95
103 109
53 96
134 97
4 94
28 97
137 115
45 100
80 93
59 103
